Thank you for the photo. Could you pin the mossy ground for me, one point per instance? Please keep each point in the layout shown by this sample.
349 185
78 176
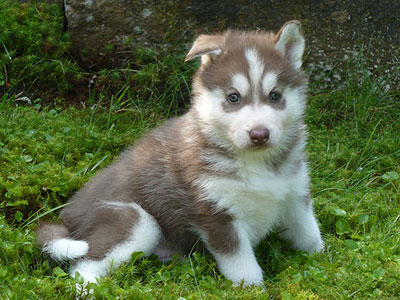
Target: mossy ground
47 152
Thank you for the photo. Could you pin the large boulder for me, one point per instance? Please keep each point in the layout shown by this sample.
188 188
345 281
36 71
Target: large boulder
105 32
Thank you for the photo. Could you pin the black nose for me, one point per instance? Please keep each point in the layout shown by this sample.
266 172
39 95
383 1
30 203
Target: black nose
259 135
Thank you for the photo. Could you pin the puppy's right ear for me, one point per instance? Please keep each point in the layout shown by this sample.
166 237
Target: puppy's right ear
207 46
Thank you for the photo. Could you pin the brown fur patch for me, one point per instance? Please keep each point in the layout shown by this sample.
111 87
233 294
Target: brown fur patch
159 174
221 236
49 231
108 228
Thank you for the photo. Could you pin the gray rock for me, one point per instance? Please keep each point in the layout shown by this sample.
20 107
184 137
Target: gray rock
106 32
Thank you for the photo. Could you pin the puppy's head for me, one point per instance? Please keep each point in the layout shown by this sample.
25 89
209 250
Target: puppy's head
249 92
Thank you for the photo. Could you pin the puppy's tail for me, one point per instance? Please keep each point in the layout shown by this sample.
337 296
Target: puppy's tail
54 240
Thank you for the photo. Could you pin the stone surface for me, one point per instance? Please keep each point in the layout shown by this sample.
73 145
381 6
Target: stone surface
105 32
340 16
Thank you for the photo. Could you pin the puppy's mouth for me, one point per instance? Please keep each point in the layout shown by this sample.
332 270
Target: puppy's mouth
254 147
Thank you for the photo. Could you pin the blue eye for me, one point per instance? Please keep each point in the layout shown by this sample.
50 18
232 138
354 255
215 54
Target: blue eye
275 96
234 97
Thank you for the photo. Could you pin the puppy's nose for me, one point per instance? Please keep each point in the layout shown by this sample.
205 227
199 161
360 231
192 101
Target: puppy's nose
259 135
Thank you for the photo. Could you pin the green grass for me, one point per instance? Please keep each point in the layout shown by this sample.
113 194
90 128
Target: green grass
47 152
33 49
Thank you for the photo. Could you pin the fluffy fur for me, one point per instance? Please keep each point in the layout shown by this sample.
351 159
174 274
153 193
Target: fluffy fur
229 171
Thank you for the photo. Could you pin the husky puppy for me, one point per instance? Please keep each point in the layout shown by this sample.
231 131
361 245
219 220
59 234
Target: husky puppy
226 173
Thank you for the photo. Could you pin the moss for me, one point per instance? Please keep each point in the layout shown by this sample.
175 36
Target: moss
35 48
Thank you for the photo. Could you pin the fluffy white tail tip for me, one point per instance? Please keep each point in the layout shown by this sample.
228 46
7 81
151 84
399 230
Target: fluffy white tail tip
66 249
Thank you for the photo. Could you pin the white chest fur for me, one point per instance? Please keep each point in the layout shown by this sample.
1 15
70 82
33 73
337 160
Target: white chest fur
256 197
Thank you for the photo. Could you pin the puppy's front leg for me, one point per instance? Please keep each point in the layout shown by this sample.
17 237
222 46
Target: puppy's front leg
234 253
300 227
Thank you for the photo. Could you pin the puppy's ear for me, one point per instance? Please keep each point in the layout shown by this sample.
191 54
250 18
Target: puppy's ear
290 42
207 46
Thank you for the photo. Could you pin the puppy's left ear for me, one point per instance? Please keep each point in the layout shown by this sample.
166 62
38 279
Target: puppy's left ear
290 42
209 47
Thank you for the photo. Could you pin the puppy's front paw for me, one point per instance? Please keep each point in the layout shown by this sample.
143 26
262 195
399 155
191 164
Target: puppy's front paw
319 246
310 245
248 275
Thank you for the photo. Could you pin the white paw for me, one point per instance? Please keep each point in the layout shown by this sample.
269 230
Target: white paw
243 274
248 280
310 245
